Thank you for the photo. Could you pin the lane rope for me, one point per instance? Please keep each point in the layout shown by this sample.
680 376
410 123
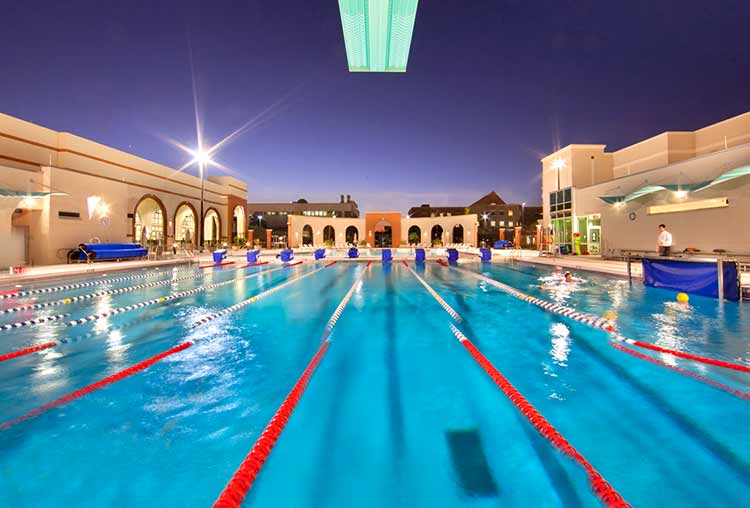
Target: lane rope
67 287
223 263
120 310
118 376
601 488
248 470
602 324
259 263
694 375
98 294
455 315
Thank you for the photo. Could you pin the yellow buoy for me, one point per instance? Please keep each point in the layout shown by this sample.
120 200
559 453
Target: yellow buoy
610 315
683 298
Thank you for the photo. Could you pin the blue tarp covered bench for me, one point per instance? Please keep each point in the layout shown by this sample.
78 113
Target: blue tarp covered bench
109 251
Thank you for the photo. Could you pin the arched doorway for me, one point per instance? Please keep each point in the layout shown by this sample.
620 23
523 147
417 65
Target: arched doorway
436 235
414 235
458 233
211 227
352 235
238 224
307 235
149 220
329 235
185 223
383 234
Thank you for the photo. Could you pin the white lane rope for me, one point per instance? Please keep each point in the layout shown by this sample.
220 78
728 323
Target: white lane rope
455 315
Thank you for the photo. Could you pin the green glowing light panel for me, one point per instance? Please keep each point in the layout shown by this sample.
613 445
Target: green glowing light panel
377 33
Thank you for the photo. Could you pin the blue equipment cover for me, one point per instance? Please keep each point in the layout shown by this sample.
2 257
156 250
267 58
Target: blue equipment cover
698 278
501 244
98 251
252 256
486 254
353 253
320 254
219 255
419 255
286 255
387 257
452 255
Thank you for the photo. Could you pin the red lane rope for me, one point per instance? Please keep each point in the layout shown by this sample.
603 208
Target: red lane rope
118 376
293 264
27 351
650 359
689 356
330 264
218 264
243 478
369 263
254 264
603 490
442 263
405 263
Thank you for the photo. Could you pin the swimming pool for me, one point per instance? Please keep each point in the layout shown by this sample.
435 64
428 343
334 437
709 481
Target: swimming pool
397 413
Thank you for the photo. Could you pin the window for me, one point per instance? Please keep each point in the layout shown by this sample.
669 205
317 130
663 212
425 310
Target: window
502 223
510 213
157 225
492 223
447 214
510 224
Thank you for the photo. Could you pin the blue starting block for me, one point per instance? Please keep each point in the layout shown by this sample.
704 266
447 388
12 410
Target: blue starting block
320 254
452 255
286 255
219 255
387 256
252 256
353 253
485 253
419 256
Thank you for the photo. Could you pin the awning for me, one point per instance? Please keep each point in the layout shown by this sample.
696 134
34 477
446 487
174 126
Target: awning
611 200
651 189
725 177
377 33
7 193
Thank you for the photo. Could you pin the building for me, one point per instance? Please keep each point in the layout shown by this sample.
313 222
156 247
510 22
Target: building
381 229
498 220
58 190
695 182
273 216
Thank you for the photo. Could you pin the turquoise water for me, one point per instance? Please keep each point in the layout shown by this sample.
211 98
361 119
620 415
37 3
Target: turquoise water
398 413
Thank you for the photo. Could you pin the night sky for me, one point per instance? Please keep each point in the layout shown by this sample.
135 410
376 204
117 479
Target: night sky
491 87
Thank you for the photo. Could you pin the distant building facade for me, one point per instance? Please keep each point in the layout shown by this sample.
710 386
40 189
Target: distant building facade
273 216
497 219
695 182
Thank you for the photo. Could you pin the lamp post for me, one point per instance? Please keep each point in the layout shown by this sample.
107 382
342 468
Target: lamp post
200 221
523 221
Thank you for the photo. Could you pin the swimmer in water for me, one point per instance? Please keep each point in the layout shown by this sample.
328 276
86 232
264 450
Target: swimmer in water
567 278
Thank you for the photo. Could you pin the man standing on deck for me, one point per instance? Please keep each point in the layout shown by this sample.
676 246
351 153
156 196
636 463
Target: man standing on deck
664 241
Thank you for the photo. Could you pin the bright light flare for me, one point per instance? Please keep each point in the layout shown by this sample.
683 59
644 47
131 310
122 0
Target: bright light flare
681 194
558 164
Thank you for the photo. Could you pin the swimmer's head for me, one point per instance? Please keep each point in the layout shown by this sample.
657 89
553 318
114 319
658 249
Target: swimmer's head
568 277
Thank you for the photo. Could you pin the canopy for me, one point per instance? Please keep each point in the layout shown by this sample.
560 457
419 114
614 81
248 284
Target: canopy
377 33
725 177
7 193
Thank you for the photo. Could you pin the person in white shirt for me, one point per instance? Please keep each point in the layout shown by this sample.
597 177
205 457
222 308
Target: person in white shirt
664 241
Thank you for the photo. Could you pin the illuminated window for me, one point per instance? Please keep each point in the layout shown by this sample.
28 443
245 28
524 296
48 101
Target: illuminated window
510 213
157 225
502 223
138 227
510 224
492 223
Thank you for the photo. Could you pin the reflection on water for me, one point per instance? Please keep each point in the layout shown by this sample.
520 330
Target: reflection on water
560 344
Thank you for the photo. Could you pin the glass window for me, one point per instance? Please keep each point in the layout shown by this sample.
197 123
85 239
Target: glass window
510 213
510 224
502 223
492 223
157 225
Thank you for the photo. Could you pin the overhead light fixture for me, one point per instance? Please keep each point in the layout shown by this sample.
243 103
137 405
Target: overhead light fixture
377 33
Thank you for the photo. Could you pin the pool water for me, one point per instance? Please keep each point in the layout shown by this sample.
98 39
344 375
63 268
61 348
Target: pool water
397 414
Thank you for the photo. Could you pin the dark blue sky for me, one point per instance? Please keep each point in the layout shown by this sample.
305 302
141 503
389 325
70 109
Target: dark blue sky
491 87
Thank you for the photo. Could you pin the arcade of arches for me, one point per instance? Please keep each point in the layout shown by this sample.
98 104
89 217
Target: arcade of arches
380 229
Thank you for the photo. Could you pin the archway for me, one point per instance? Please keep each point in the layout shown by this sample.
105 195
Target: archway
383 234
185 223
414 235
307 235
352 235
239 230
150 220
458 233
436 235
329 235
211 226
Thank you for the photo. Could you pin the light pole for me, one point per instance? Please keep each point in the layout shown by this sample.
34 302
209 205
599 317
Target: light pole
523 220
202 228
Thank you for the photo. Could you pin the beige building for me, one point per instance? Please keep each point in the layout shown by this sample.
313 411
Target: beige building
697 183
382 229
58 190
